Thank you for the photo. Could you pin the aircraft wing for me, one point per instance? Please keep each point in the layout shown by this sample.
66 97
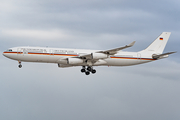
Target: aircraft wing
92 58
162 55
114 51
85 56
106 52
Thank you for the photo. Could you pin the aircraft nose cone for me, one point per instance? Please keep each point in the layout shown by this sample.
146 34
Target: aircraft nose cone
9 55
5 54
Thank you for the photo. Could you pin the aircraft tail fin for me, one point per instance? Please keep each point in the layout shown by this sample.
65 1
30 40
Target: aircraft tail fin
159 44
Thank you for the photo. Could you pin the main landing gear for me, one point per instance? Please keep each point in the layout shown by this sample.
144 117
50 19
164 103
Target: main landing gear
88 70
20 66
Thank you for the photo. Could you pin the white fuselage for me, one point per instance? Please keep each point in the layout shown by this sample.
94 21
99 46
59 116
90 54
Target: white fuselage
54 55
89 58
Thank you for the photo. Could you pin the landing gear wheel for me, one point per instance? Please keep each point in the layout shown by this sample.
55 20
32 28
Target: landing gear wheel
93 71
89 68
20 66
83 70
87 72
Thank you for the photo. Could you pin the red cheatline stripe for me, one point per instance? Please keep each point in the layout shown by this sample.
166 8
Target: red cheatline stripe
12 52
133 58
42 54
77 55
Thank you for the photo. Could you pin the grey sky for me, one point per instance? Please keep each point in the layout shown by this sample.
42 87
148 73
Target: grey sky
44 91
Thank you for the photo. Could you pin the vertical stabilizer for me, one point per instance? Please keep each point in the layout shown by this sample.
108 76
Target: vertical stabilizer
159 44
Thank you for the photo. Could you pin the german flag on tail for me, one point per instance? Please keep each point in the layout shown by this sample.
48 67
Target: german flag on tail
161 38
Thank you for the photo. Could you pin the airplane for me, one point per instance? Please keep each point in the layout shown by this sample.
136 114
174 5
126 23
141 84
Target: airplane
89 58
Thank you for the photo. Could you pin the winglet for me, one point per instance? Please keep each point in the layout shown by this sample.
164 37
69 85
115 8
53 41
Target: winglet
131 44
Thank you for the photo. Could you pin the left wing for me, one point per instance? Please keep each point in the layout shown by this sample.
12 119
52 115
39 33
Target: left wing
92 58
106 52
114 51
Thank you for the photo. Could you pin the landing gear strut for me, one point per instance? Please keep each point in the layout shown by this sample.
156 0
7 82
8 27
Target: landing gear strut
88 70
20 66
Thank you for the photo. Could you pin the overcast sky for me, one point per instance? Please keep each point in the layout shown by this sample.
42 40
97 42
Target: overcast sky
44 91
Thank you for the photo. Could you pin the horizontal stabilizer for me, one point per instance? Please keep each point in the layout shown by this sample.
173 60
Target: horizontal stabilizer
161 55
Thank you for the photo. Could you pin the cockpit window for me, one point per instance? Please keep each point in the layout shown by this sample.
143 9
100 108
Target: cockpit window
9 50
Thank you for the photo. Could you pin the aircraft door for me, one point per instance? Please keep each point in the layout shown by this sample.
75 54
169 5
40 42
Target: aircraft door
51 52
139 57
20 53
25 51
51 55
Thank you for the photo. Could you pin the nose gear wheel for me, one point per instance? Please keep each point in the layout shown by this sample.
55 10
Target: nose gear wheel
20 66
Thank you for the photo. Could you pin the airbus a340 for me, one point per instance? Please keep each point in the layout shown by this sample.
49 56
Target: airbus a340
89 58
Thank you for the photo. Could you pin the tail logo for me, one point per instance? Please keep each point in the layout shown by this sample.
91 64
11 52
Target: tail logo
161 38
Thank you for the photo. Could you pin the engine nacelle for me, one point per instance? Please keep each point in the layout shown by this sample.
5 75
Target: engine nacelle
64 66
70 61
99 55
63 61
73 61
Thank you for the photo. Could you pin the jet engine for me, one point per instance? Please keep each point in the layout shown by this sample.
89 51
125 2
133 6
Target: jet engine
73 61
63 66
70 61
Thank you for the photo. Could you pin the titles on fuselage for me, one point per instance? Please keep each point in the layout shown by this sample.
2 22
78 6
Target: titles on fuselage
45 51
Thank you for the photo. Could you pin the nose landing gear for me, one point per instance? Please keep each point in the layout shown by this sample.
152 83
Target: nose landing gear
20 66
83 69
88 70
